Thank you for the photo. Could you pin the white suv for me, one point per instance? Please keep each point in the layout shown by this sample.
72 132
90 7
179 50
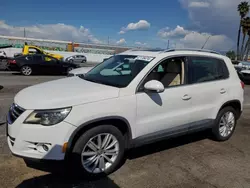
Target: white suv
90 121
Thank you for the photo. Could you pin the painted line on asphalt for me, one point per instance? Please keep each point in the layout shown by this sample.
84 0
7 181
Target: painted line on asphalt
2 136
6 98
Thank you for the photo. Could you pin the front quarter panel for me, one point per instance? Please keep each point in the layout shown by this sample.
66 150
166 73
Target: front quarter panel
124 107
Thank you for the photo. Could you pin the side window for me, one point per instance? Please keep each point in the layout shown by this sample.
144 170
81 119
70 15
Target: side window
170 72
37 58
49 59
203 69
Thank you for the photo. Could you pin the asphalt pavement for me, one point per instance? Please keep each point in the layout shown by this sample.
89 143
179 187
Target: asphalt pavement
190 161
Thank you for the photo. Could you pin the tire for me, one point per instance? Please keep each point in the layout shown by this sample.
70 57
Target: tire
26 70
70 69
77 161
218 135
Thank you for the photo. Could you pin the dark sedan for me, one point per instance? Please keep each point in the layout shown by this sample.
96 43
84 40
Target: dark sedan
38 63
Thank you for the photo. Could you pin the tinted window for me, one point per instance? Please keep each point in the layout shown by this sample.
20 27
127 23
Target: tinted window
203 69
37 58
50 59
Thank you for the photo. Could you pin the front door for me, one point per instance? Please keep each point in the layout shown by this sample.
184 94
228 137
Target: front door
51 65
169 110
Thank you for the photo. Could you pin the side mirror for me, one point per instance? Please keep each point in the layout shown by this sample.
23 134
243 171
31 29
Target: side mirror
155 86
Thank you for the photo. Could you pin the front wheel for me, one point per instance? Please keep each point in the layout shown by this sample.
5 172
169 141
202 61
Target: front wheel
70 69
98 152
26 70
225 124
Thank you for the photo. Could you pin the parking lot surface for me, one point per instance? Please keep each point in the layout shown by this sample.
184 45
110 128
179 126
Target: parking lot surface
191 161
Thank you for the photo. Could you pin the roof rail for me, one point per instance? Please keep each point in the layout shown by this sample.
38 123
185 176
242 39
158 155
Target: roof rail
191 49
147 49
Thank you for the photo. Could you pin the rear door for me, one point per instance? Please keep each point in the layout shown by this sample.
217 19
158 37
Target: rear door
37 63
207 80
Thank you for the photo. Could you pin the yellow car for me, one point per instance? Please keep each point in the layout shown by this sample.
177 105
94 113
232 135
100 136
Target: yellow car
35 50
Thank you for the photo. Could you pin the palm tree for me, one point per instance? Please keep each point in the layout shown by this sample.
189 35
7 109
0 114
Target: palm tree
243 9
246 51
246 29
244 32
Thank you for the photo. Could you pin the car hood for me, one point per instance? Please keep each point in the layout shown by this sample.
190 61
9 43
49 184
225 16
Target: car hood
63 93
81 70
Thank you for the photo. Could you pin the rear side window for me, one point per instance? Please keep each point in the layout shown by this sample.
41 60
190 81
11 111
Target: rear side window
204 69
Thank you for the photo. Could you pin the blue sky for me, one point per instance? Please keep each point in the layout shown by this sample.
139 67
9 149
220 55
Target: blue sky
174 20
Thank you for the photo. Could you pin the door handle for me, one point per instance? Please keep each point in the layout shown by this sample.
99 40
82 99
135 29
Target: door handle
186 97
222 91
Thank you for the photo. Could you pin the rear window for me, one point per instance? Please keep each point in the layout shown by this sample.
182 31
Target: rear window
204 69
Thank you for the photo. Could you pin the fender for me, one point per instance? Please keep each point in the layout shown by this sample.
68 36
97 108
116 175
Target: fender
89 124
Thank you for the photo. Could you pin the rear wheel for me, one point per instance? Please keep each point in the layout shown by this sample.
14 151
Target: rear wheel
26 70
98 152
225 124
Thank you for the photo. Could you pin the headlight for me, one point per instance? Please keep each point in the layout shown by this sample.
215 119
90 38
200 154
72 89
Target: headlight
47 117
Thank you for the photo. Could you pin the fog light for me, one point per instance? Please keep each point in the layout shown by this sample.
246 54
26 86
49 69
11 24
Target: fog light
45 147
41 147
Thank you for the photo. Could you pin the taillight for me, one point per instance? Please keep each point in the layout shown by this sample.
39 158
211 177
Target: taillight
12 61
242 85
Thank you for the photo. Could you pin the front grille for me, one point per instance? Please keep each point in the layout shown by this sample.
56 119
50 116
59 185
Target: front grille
14 112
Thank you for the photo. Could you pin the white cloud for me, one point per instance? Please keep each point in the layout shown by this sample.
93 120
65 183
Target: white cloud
197 4
121 41
213 16
141 43
177 32
141 25
181 37
57 31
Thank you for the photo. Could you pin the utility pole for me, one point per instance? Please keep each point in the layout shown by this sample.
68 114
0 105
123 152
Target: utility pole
108 40
24 33
168 45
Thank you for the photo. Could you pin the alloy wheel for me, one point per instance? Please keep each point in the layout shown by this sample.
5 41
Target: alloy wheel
99 153
26 70
227 123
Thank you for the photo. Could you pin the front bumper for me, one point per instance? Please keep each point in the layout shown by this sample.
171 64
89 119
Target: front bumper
28 140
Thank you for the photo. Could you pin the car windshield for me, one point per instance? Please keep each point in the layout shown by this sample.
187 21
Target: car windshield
118 71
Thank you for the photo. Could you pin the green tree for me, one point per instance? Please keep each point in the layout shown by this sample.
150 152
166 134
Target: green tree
231 54
243 9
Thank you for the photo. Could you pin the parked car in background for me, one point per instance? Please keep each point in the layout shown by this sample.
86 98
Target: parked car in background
90 121
2 55
39 63
76 59
243 70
